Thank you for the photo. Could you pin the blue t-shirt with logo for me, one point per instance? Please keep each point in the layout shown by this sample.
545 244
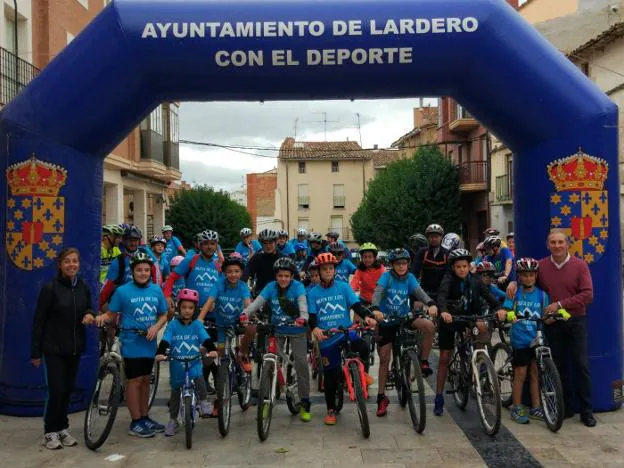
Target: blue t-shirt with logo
397 291
172 248
140 307
270 293
202 278
245 251
344 269
500 259
287 250
526 304
113 270
184 341
331 307
229 301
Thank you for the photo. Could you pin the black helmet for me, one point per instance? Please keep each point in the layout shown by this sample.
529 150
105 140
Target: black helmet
492 242
333 234
285 263
335 248
459 254
398 254
133 232
418 241
233 259
315 237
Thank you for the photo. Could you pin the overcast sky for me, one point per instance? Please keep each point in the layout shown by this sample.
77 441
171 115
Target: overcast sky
266 125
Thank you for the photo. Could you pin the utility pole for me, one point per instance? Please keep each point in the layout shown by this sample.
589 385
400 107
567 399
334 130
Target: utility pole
359 126
324 122
296 126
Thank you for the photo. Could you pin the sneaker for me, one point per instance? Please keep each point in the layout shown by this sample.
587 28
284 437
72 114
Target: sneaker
370 380
172 428
382 407
536 414
425 369
66 438
304 411
139 429
438 405
330 419
205 409
153 425
519 415
52 441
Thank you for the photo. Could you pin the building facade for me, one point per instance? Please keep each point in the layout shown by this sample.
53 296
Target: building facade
425 131
261 200
140 172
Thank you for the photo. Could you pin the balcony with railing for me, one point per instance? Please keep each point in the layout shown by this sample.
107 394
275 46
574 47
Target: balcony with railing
339 201
504 191
473 176
464 122
15 74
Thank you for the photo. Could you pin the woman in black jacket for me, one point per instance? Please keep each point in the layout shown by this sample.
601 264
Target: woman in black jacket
58 339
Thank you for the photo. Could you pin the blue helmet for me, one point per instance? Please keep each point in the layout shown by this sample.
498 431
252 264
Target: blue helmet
300 246
398 254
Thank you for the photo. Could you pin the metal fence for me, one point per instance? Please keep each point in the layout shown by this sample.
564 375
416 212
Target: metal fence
15 74
503 188
474 172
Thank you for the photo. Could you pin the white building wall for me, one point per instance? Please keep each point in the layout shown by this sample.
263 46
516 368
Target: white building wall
24 27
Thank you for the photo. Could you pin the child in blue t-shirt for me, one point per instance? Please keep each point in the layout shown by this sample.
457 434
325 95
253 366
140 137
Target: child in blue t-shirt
529 302
141 305
344 267
485 272
184 337
286 298
328 305
392 296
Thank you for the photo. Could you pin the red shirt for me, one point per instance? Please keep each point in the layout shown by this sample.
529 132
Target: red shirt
571 285
365 282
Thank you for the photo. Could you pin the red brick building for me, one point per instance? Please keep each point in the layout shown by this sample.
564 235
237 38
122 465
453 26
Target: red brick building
261 198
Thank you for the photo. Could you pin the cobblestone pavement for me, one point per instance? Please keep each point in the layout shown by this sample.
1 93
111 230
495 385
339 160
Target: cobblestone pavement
453 440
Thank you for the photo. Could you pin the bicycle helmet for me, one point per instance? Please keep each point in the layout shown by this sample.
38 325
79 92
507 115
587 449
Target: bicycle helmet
485 267
491 232
282 233
459 254
492 242
369 247
156 239
245 232
451 241
267 235
300 246
285 263
302 232
434 229
124 226
336 248
398 254
166 228
315 237
187 294
207 235
113 229
527 264
480 247
325 258
418 241
511 235
233 259
175 261
133 232
313 265
333 234
140 257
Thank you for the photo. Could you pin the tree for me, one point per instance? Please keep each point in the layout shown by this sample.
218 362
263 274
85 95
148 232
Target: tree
192 211
409 195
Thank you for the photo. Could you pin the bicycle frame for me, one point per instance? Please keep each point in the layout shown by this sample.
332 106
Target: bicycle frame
347 376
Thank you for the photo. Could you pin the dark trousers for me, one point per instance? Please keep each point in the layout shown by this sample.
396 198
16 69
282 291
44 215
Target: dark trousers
60 372
568 343
333 377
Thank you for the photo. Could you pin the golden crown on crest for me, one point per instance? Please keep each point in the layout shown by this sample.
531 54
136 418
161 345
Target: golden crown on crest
578 172
34 177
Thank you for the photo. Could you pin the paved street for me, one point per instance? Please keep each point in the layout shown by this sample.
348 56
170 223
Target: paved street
456 439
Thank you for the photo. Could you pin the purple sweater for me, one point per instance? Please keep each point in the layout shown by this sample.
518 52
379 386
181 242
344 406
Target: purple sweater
572 285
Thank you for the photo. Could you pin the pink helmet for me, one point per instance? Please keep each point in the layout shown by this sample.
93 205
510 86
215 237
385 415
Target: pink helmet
188 295
175 261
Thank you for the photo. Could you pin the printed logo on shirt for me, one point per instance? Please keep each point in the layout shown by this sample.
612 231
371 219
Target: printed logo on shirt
184 348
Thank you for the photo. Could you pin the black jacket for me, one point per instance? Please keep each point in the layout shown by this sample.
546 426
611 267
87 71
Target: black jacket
57 327
474 291
429 269
260 267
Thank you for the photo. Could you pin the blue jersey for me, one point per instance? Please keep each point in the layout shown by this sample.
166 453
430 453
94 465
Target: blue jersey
172 248
294 241
184 341
245 251
500 259
288 250
270 293
202 278
113 270
331 305
498 293
229 301
345 269
178 286
140 307
397 291
526 304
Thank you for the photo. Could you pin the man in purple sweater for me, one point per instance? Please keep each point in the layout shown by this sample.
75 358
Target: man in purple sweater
568 282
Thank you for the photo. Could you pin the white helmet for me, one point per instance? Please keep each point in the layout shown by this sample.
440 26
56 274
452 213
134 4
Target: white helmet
302 232
267 235
245 232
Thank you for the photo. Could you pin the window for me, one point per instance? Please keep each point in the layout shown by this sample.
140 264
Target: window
156 120
302 167
339 197
9 37
461 113
335 166
304 223
303 196
336 225
484 148
172 133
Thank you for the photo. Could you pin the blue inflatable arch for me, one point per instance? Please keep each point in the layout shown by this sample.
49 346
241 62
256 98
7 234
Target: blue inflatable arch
136 54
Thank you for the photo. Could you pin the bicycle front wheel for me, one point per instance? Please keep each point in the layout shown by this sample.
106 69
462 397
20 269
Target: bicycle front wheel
457 377
265 400
360 402
244 390
488 395
292 393
414 391
154 378
501 357
102 410
188 420
551 394
224 399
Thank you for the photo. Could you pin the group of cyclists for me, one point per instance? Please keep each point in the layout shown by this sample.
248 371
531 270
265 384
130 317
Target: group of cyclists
307 286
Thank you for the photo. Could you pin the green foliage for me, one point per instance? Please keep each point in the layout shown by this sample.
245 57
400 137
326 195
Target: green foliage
192 211
406 197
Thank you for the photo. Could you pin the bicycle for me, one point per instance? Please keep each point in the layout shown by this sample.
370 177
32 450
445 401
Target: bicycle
473 368
274 378
405 373
551 389
106 397
354 376
316 364
230 378
501 355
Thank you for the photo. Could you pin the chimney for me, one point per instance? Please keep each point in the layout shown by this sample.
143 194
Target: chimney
375 147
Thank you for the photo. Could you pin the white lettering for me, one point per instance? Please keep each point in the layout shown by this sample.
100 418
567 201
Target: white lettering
149 31
423 26
437 25
163 28
239 58
470 24
180 30
373 29
278 58
454 25
340 28
317 28
360 56
406 26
